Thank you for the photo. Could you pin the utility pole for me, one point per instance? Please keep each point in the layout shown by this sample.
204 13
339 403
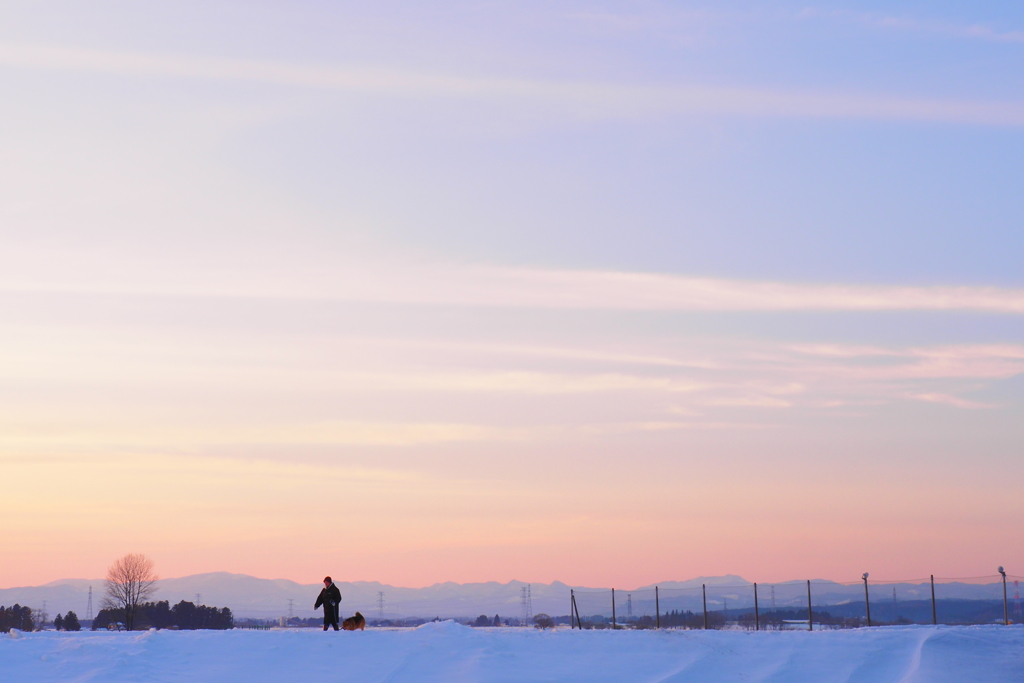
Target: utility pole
704 596
1006 613
757 611
867 600
935 616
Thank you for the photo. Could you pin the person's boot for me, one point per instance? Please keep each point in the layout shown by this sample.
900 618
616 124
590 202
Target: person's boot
325 627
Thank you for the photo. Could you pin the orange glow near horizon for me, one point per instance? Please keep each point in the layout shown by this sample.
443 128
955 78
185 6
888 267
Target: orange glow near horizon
621 462
414 526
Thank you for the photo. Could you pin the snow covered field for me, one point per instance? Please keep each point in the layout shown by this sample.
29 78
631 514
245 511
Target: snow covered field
450 653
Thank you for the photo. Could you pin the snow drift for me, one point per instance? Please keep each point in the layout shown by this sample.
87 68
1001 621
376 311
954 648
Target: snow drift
449 652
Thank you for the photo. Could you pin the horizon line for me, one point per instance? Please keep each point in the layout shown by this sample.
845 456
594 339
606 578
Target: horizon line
909 581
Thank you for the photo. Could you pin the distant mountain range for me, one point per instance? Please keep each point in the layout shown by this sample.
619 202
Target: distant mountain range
249 596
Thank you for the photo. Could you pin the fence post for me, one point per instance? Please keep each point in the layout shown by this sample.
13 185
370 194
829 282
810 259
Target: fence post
572 605
757 613
1006 613
810 617
614 625
867 600
657 609
935 619
704 590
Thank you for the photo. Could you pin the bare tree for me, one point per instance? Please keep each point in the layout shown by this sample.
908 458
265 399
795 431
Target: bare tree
130 581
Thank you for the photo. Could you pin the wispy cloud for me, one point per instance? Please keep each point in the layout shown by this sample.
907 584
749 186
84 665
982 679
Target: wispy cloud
750 402
668 426
329 277
968 361
948 400
654 291
573 98
887 21
530 383
338 433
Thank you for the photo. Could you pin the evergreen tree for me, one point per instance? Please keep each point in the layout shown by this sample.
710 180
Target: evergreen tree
17 617
71 622
58 623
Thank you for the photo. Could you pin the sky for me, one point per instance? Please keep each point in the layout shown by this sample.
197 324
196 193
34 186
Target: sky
608 293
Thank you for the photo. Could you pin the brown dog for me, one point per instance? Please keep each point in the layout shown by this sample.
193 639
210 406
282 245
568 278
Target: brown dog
353 623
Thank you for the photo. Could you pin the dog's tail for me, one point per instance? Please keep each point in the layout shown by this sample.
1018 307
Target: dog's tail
359 615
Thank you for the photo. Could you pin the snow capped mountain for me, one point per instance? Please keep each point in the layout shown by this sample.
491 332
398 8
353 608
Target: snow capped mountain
249 596
727 580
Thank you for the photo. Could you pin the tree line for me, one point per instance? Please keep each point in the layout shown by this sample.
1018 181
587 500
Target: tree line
17 617
185 615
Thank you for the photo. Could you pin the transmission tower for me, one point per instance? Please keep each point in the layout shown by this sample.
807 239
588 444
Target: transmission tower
199 599
773 598
526 603
894 608
1016 599
291 607
88 606
380 604
629 604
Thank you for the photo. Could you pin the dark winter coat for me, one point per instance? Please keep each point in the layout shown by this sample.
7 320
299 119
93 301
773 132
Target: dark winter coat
330 598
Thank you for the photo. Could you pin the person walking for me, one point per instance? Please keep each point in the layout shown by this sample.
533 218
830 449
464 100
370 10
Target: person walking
330 598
